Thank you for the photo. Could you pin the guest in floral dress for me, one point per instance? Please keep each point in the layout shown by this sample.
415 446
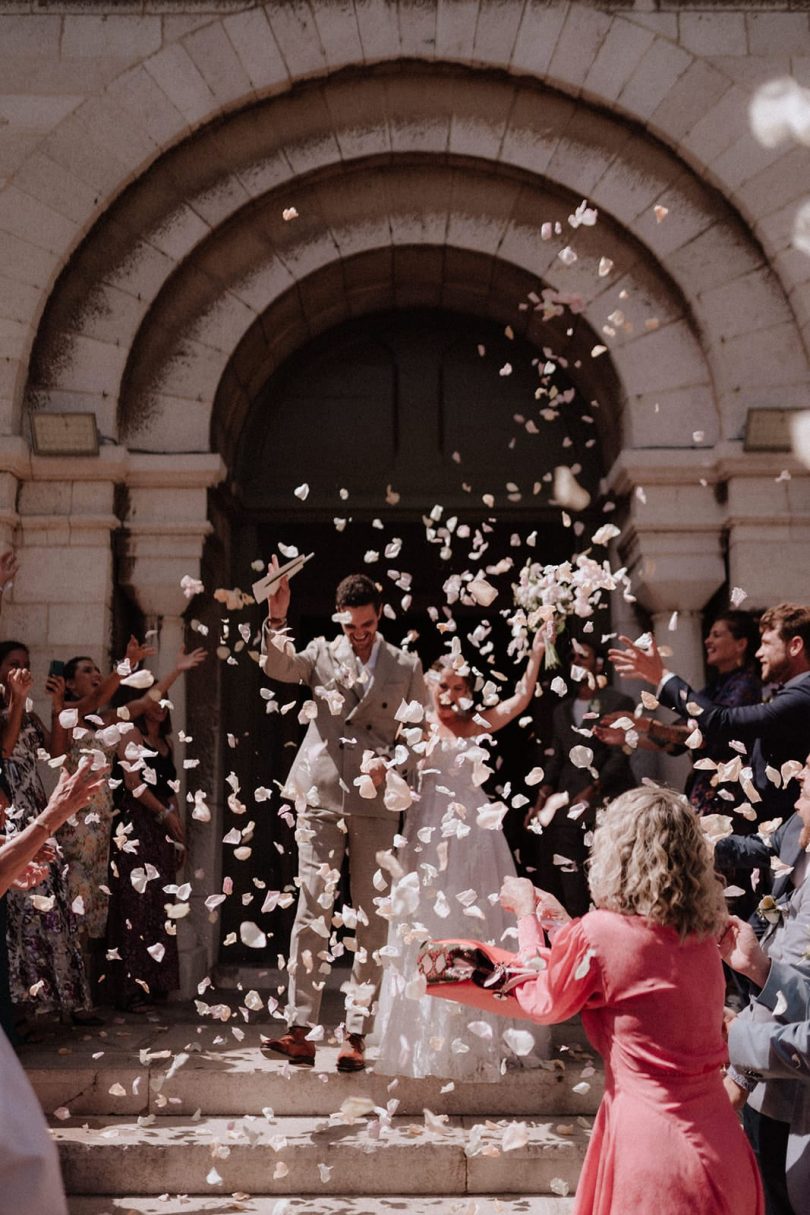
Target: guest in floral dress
88 850
46 969
85 841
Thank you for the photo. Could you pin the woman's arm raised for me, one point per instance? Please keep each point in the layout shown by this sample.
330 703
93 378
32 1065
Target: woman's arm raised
507 710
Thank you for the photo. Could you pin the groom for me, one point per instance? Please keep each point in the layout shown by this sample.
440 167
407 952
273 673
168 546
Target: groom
358 682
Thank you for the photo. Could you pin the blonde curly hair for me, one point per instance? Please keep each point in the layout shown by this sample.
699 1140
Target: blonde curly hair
650 858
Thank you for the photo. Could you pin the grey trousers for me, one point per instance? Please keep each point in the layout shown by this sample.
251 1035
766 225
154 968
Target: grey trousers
321 848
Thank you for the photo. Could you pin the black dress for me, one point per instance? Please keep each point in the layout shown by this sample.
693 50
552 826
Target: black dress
137 922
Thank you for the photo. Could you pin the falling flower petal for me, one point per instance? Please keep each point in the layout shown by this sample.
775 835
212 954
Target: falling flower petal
251 935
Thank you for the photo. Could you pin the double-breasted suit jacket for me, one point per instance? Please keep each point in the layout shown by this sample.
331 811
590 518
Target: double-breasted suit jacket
352 715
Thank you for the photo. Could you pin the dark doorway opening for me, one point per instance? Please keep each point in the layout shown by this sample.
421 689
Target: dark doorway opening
392 401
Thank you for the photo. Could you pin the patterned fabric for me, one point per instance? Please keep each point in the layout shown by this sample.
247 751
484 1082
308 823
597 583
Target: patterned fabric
43 946
136 921
85 842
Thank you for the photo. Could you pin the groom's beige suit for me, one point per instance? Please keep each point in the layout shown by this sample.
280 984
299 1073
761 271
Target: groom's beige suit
354 713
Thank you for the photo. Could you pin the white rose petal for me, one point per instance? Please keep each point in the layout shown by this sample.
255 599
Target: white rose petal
251 935
366 787
491 816
604 534
398 795
514 1137
43 902
481 1029
302 491
138 679
191 586
519 1040
483 592
356 1107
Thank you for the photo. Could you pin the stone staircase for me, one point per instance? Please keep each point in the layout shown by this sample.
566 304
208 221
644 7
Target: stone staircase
179 1115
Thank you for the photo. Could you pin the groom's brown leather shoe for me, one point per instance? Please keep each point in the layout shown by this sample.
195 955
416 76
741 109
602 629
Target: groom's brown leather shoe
351 1056
294 1046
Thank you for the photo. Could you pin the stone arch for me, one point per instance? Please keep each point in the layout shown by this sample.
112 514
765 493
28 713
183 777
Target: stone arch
671 75
198 197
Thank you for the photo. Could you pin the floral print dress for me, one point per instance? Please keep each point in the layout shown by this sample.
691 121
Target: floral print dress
85 842
46 967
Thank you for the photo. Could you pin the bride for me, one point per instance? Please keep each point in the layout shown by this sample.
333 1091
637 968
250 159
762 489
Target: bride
453 862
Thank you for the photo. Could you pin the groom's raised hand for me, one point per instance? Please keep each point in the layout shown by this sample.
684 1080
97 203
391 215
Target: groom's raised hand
278 603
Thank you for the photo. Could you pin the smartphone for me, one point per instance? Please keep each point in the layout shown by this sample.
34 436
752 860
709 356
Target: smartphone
57 667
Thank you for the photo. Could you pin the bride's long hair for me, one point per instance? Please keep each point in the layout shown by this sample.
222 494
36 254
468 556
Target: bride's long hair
650 858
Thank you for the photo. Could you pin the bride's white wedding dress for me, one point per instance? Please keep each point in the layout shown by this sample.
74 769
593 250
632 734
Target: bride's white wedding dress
454 865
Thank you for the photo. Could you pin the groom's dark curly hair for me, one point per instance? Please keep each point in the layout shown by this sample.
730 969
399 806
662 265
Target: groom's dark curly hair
356 591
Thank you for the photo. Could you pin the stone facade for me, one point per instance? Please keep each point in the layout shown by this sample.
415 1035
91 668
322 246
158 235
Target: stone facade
147 152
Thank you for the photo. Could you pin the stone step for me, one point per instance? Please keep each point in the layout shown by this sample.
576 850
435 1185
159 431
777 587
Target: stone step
400 1204
310 1156
129 1077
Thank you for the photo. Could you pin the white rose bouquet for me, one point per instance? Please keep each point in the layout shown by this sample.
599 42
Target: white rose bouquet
553 593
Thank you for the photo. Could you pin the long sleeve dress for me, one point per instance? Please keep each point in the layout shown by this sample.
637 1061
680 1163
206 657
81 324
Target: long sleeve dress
666 1138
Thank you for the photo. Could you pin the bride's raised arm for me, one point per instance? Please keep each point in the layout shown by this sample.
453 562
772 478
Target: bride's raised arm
507 710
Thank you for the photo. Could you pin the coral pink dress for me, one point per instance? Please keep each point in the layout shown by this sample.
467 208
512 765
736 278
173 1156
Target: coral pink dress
666 1138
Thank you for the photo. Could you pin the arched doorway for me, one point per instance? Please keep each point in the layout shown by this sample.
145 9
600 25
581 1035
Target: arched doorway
404 423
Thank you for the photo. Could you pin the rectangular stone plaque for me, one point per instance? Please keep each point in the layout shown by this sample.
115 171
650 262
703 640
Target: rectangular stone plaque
64 434
768 430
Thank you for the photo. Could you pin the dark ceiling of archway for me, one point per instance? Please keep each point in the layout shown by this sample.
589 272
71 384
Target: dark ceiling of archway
427 401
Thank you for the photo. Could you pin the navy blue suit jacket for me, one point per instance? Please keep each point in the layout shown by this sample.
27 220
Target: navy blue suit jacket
772 733
752 852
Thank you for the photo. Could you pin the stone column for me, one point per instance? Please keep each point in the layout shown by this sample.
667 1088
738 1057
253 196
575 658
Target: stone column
165 530
61 602
769 526
672 544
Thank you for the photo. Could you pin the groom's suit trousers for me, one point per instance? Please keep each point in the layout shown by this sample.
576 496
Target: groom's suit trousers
322 845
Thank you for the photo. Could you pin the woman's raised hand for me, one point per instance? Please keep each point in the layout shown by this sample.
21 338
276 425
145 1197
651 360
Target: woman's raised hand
137 651
187 662
549 910
19 683
55 687
517 896
72 793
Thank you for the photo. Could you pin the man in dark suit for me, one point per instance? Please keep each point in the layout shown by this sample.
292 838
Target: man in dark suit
579 789
774 732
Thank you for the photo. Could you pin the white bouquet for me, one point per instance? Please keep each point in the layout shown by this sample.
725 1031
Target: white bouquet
551 593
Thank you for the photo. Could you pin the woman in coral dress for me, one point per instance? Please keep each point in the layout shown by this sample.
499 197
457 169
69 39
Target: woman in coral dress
644 971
